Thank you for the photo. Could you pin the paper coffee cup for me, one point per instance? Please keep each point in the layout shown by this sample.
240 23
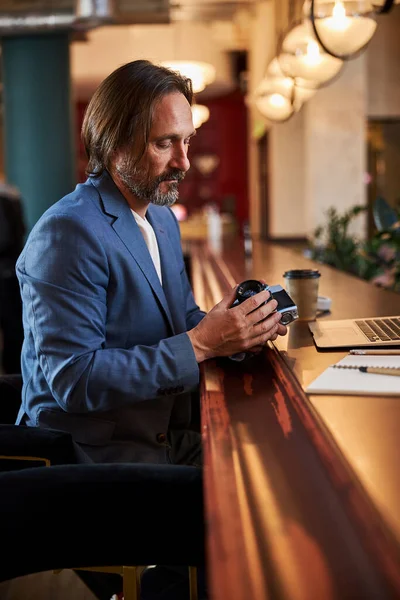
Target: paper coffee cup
302 286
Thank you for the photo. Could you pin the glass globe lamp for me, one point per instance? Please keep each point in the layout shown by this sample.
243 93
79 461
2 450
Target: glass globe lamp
201 73
200 114
343 27
301 57
302 90
274 98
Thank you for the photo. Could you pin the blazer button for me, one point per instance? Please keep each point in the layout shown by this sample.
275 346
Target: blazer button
161 438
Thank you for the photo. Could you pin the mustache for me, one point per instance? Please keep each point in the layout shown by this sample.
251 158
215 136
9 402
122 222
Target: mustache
174 174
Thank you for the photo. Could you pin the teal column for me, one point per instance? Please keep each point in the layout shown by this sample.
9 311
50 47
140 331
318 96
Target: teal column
38 120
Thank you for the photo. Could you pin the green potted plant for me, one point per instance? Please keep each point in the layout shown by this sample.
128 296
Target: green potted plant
381 253
377 259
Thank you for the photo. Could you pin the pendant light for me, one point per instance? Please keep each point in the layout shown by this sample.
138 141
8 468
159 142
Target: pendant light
185 42
274 106
342 27
278 97
201 73
302 89
274 98
200 114
301 56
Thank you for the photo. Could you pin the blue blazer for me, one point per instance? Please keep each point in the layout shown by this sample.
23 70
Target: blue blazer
106 355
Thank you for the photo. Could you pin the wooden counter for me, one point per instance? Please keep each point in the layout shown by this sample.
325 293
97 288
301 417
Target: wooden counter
302 493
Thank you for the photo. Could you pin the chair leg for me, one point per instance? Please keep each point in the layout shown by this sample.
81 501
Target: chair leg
130 585
193 583
139 572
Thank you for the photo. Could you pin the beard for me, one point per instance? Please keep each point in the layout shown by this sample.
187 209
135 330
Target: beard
139 182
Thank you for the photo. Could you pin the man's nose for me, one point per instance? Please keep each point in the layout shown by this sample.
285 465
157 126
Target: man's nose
180 159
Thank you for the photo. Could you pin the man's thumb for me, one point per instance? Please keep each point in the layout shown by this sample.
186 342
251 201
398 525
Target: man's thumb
229 297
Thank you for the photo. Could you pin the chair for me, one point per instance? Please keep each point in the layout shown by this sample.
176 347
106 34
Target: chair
23 448
10 397
80 514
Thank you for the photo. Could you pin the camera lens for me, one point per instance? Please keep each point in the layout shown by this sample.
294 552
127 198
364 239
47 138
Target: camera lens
249 288
286 318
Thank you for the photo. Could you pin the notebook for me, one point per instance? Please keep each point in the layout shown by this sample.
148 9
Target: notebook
351 381
357 333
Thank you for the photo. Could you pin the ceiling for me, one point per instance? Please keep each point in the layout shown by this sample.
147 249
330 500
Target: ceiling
111 32
17 14
206 10
208 30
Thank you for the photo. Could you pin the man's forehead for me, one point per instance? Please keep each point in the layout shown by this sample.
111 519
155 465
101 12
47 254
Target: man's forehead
172 115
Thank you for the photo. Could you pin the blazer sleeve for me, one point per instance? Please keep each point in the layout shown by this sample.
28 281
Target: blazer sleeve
64 274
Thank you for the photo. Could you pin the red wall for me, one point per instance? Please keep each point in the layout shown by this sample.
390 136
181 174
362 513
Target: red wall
224 135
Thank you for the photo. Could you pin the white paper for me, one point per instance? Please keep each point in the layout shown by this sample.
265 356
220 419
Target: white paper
351 381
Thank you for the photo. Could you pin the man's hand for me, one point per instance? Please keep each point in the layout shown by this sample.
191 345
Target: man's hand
244 328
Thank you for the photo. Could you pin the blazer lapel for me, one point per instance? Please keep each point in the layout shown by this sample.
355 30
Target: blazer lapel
125 226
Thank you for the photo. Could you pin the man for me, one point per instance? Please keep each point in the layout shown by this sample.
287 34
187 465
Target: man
113 337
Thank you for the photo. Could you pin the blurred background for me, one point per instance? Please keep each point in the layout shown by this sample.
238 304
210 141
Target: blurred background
277 146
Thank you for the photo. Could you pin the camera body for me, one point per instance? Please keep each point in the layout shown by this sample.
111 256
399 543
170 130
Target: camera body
286 305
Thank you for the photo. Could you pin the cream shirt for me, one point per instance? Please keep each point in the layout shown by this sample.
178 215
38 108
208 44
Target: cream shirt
151 241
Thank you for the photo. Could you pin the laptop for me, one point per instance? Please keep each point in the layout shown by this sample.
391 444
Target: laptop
357 333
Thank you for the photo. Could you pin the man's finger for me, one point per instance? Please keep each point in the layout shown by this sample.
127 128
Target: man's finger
265 336
282 329
262 312
254 302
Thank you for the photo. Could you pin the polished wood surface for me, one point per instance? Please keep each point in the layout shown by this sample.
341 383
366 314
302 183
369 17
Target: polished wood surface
296 504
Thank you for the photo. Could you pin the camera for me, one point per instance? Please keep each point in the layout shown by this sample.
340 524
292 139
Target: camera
286 305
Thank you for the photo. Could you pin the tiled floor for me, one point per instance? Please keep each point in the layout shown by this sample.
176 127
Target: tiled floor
66 585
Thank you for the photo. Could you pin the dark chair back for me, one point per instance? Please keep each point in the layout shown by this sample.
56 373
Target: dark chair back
98 515
25 447
10 397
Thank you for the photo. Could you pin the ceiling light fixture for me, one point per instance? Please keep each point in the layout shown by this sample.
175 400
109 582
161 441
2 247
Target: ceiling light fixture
302 89
278 97
200 114
301 56
343 28
274 107
274 98
201 73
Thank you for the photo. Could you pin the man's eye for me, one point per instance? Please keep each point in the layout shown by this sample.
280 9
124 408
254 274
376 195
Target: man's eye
163 145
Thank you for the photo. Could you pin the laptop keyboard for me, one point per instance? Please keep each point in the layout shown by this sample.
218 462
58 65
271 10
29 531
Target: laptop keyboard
380 330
